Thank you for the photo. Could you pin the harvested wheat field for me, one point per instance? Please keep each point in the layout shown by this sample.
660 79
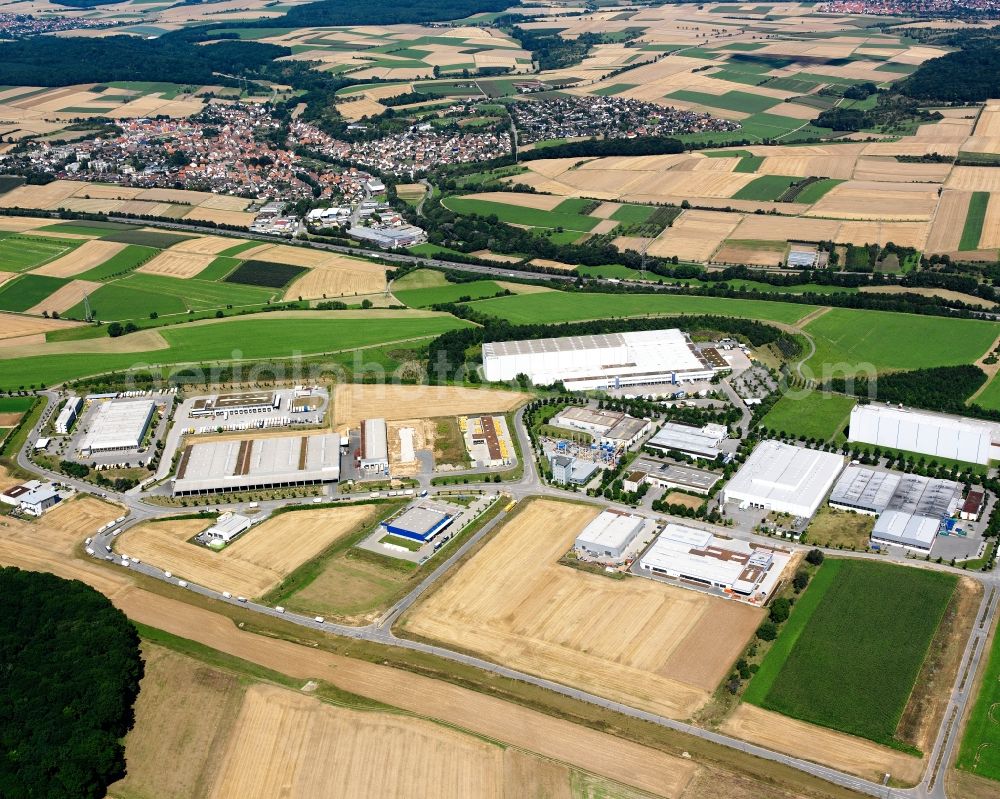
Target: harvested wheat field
14 325
635 640
288 744
176 264
65 297
949 221
86 256
255 562
859 199
974 178
338 276
905 234
64 527
806 165
353 402
990 236
695 235
238 218
184 718
47 196
831 748
756 252
548 263
206 245
886 168
542 202
786 228
946 294
293 256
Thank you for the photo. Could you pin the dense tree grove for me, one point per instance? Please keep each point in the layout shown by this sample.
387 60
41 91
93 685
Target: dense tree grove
57 61
969 75
942 388
339 12
593 148
70 673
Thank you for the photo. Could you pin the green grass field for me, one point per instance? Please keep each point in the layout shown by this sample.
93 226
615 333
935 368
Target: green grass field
249 337
814 191
766 187
133 256
518 215
749 163
973 228
980 749
236 249
815 415
632 214
219 268
16 404
990 398
451 292
848 339
88 228
26 291
849 655
730 101
555 306
21 253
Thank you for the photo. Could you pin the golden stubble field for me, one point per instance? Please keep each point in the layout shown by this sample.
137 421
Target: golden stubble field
254 563
353 402
654 646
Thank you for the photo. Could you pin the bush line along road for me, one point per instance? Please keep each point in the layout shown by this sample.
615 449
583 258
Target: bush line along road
531 485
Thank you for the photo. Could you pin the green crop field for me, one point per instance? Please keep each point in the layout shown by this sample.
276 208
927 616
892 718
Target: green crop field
264 273
419 279
990 397
88 228
980 749
632 214
452 292
814 191
221 266
16 404
147 238
236 249
246 337
614 88
26 291
130 258
517 215
815 415
730 101
20 253
200 294
974 221
117 301
849 339
553 307
849 655
749 163
766 187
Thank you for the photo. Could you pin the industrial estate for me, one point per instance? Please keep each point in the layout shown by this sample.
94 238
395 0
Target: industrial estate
484 399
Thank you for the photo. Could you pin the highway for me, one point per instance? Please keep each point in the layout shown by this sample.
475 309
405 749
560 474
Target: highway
530 484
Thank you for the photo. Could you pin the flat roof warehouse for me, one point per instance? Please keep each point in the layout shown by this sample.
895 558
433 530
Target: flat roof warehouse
599 361
244 464
118 425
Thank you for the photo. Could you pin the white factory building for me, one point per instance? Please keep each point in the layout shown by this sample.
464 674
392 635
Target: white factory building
227 527
117 425
911 509
699 558
608 427
699 442
925 433
784 478
67 416
611 534
374 453
602 361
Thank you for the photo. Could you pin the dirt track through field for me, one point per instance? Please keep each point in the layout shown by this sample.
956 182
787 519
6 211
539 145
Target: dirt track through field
643 642
353 402
256 561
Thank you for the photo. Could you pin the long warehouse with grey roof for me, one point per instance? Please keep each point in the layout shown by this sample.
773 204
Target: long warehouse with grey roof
608 360
254 464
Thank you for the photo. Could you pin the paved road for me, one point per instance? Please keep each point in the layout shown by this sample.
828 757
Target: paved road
931 787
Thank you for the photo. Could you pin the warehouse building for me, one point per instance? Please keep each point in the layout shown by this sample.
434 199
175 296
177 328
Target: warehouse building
926 433
421 522
226 528
257 464
603 361
611 534
698 442
374 453
241 403
699 558
612 428
668 475
117 425
784 478
572 471
67 416
910 509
